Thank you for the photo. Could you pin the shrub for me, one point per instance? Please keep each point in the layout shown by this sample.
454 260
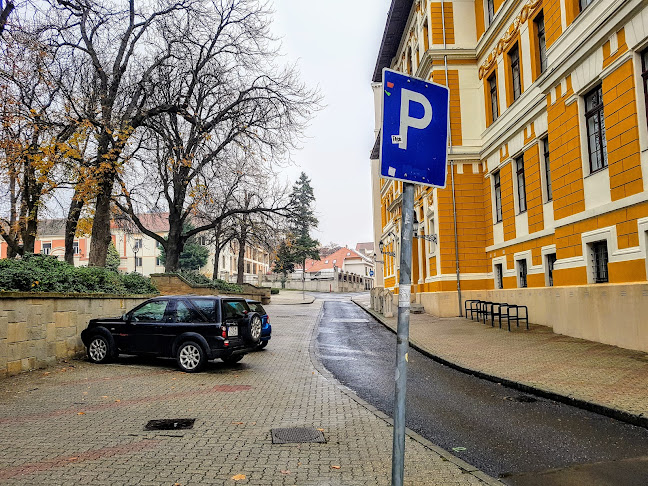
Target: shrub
42 273
274 291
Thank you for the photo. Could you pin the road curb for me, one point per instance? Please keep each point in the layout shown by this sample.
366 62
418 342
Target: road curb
621 415
319 367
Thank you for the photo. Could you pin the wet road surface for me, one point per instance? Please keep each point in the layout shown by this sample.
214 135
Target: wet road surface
522 439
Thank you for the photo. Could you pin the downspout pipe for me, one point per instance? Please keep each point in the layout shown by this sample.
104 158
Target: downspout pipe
454 202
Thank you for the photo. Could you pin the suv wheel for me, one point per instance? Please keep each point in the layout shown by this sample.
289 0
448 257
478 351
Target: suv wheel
191 357
252 332
99 349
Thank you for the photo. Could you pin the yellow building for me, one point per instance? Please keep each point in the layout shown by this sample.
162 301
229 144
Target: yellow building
549 156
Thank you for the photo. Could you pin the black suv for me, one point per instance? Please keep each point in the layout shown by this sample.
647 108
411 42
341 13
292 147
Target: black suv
190 328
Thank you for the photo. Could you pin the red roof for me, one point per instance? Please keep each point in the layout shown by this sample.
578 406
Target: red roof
335 259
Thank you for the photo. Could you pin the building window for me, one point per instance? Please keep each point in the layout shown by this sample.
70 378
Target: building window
75 248
426 36
522 272
514 59
432 244
158 263
547 168
492 87
597 145
551 260
499 276
542 45
138 261
600 261
521 185
644 75
584 4
138 244
202 240
498 197
46 249
490 10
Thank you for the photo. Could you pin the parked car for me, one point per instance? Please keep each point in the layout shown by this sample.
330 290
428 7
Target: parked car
191 329
266 329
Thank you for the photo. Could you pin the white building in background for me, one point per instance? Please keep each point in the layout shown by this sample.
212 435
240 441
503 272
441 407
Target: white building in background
141 253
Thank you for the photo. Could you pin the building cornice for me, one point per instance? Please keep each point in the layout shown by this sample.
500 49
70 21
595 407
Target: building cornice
432 55
397 20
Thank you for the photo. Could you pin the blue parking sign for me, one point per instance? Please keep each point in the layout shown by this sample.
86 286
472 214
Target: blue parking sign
414 144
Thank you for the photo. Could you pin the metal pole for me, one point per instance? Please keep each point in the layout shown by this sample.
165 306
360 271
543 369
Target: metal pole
402 335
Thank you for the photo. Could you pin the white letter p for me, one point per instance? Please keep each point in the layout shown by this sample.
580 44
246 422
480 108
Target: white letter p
406 120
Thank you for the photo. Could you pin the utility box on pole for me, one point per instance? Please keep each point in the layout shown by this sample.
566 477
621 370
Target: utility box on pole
413 149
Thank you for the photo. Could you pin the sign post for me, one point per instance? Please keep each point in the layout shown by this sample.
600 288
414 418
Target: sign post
413 149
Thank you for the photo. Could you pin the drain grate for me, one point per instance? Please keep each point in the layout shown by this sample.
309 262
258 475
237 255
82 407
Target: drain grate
297 435
521 399
170 424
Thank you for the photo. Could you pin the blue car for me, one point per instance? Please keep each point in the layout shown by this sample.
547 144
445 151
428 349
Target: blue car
266 329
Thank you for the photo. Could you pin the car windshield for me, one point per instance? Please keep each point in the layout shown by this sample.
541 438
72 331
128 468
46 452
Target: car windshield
208 307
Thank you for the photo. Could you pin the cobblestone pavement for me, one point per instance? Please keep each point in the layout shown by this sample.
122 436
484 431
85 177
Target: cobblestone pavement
81 423
591 372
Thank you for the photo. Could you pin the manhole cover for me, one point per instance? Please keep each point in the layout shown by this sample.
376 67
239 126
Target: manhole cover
521 399
297 435
170 424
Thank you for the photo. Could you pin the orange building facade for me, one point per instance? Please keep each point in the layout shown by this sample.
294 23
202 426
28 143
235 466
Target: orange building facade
549 152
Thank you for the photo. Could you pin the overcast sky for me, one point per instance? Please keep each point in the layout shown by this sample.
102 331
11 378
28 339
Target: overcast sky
335 44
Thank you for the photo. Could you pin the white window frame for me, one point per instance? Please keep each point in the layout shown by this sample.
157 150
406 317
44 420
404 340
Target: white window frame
49 248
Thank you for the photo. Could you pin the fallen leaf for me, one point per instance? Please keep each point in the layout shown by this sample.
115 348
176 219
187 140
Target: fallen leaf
238 477
238 423
321 430
117 401
335 467
458 449
104 396
46 373
252 423
285 471
81 413
73 459
85 393
177 484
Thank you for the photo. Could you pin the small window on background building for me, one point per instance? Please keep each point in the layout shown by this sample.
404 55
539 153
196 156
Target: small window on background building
499 276
514 59
75 248
498 197
46 249
138 243
158 263
490 10
492 87
139 261
551 260
600 261
595 121
522 269
521 184
547 168
542 45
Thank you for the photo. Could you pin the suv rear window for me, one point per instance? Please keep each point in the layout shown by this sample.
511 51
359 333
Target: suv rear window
208 307
257 308
234 308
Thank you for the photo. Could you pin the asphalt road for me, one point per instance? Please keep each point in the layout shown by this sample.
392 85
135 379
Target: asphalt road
522 439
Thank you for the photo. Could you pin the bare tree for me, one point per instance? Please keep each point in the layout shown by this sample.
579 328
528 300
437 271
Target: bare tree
239 115
116 54
5 10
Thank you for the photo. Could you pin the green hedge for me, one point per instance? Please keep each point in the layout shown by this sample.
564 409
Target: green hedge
41 273
197 278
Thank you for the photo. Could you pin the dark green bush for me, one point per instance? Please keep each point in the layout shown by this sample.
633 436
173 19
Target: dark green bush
274 291
41 273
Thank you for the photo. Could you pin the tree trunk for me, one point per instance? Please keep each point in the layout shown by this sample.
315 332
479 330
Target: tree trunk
70 228
175 243
240 273
216 261
101 225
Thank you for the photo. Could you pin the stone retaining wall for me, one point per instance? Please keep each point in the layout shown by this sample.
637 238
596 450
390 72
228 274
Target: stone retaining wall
169 284
38 329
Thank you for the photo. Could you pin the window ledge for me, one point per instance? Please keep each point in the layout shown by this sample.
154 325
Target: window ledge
597 172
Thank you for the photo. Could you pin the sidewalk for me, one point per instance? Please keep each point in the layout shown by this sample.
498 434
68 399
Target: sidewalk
595 376
288 297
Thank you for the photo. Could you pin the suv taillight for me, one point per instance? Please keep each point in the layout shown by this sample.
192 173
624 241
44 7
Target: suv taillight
224 331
